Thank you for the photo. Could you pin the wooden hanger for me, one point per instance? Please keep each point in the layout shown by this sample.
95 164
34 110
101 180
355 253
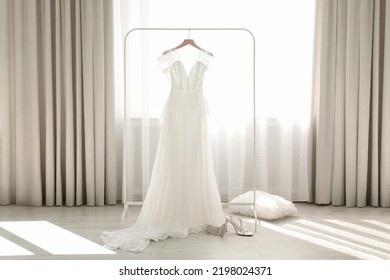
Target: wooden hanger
186 42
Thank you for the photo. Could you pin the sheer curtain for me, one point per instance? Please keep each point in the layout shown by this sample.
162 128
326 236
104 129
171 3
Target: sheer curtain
57 104
283 78
351 111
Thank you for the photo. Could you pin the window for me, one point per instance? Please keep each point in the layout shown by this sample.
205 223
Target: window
283 31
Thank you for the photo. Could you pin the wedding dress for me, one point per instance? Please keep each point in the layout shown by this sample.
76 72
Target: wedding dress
183 194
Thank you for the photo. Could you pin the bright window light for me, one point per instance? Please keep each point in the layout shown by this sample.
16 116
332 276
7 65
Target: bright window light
53 239
284 55
8 248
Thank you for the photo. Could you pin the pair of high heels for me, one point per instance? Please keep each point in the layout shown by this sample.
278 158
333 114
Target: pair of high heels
221 230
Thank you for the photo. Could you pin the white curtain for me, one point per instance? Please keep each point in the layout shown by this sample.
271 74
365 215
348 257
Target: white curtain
57 104
284 44
351 111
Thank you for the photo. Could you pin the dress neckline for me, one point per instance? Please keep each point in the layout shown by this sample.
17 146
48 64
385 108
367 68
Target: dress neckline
194 64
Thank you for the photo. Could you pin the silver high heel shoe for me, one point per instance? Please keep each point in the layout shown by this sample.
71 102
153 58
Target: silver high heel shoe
221 230
238 228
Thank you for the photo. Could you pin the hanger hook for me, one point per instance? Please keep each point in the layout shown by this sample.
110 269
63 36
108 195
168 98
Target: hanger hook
189 33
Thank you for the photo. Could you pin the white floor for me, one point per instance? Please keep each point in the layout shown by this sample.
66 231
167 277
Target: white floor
316 232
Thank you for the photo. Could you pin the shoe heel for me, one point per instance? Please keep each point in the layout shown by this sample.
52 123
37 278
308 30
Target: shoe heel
239 229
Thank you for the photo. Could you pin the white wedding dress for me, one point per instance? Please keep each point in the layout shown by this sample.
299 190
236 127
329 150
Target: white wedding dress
183 194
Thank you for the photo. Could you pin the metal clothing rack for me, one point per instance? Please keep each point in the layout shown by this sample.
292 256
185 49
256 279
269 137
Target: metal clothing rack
127 203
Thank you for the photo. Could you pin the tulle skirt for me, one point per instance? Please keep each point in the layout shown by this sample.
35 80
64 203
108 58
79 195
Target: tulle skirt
183 194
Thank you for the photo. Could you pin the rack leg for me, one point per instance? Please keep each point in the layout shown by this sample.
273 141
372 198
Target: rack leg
125 211
256 220
254 217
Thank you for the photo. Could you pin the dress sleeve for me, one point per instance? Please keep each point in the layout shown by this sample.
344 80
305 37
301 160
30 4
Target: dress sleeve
206 59
163 62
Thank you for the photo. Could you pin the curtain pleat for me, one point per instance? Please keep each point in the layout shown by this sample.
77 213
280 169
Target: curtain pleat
87 73
325 112
78 93
377 80
48 120
352 99
385 139
99 102
27 153
68 100
365 69
6 180
57 103
338 170
109 101
352 137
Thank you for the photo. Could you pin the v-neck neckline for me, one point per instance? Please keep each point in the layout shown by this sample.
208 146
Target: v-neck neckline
194 64
189 74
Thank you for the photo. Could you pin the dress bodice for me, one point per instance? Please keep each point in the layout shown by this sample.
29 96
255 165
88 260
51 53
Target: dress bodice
180 79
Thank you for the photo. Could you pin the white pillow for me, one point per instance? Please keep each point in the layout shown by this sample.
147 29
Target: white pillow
268 206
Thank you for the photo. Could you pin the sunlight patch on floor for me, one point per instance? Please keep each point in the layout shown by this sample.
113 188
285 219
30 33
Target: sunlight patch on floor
359 244
368 251
53 239
363 229
8 248
377 223
346 234
320 241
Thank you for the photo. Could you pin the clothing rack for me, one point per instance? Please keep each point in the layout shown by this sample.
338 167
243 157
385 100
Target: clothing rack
127 203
